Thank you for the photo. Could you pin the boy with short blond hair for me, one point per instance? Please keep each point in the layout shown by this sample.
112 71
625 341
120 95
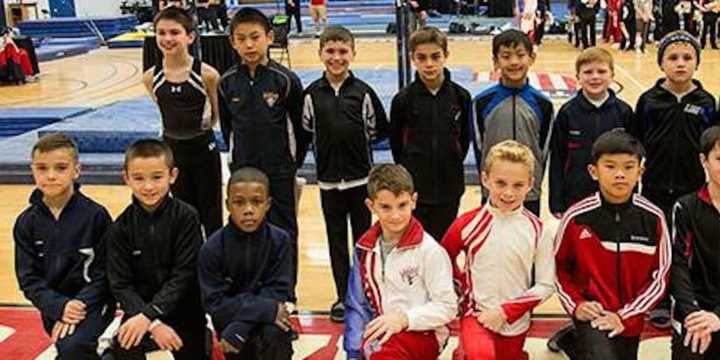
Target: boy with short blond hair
612 254
400 293
508 266
592 111
60 252
152 259
430 133
513 109
346 117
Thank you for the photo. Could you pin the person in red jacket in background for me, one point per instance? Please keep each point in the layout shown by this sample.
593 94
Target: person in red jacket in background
10 51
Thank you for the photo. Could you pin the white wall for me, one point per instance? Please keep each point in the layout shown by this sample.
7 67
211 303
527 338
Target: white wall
90 7
97 7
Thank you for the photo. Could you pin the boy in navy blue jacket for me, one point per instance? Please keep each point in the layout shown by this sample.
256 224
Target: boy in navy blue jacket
60 252
244 273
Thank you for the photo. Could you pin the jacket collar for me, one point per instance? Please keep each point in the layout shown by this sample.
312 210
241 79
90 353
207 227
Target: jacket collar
420 85
412 237
259 70
587 105
36 198
704 195
237 233
164 204
616 207
659 87
348 81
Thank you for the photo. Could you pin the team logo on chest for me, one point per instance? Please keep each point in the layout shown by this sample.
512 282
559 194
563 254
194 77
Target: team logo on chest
175 89
410 275
270 98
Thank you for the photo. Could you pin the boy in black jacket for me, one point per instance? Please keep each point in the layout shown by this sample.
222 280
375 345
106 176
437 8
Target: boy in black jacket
261 118
594 110
245 275
345 115
430 132
695 275
152 259
670 117
60 252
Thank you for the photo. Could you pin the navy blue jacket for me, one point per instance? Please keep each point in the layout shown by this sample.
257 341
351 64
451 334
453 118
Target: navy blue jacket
243 277
64 259
577 125
152 262
261 119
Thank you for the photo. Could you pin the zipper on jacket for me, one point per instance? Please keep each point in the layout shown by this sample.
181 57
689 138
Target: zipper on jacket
618 269
514 120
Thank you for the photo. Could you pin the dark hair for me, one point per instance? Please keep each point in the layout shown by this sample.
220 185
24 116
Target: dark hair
337 33
249 15
391 177
709 139
248 175
148 148
176 14
616 141
511 38
54 141
428 35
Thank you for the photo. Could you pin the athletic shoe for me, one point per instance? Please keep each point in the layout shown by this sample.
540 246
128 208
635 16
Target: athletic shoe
337 312
563 339
660 318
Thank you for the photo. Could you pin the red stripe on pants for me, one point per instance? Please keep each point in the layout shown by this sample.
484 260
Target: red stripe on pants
479 343
409 345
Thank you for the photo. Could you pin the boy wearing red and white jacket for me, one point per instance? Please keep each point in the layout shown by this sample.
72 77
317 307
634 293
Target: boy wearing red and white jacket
612 254
400 295
493 250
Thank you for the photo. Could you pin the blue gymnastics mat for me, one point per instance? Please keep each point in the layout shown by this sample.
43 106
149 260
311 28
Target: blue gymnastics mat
103 134
17 121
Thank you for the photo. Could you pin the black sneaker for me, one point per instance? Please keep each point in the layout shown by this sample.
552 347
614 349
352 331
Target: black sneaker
337 312
563 339
660 318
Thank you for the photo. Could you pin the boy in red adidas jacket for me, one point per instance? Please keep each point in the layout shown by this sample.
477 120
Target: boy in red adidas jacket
612 254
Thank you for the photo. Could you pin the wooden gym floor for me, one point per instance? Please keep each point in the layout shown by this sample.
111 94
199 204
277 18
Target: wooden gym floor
104 76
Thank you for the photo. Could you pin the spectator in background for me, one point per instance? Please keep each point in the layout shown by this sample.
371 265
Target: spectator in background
292 9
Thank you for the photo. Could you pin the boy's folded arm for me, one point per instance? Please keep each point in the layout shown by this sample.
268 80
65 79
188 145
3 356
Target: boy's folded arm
31 278
558 158
544 282
96 291
442 305
183 272
569 293
119 271
357 313
222 305
397 126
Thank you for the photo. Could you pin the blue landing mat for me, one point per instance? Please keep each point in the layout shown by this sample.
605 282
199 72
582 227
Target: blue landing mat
115 125
21 120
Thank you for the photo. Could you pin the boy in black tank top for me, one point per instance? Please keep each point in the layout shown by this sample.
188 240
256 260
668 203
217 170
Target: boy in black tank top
185 90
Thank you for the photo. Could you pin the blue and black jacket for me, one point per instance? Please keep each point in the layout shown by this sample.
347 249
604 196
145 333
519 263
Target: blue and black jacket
522 114
243 276
57 260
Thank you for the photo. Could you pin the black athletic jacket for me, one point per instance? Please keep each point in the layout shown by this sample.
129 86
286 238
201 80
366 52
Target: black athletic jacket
577 125
152 259
60 260
344 124
695 272
243 277
430 136
261 118
670 131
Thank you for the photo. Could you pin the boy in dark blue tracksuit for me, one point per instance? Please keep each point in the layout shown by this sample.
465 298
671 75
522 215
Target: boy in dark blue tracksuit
261 119
60 252
244 274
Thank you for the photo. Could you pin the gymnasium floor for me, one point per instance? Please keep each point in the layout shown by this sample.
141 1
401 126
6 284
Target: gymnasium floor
105 76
